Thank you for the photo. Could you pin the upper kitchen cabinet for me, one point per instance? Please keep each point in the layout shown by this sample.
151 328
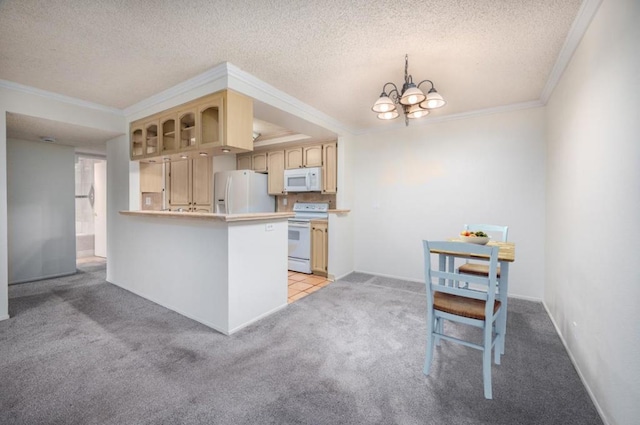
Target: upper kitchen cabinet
218 123
302 157
244 162
312 156
168 139
210 114
151 138
187 125
293 158
137 140
259 162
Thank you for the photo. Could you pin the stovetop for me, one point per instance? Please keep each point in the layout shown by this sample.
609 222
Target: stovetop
310 210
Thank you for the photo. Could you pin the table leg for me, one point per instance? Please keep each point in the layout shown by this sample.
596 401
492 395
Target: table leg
503 292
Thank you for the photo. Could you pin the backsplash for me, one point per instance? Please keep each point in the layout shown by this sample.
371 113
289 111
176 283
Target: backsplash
292 198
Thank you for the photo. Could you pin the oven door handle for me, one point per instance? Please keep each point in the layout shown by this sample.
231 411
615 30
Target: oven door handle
302 225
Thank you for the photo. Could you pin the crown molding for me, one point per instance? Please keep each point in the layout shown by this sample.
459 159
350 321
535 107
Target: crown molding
59 97
272 96
214 74
454 117
579 27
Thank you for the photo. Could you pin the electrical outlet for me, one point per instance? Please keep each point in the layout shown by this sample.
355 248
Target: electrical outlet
147 200
269 227
284 201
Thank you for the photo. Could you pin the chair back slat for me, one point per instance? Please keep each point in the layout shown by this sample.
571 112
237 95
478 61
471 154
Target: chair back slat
450 282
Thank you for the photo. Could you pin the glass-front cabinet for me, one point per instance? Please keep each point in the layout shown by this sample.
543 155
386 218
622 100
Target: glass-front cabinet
168 134
210 114
137 142
187 129
151 138
215 124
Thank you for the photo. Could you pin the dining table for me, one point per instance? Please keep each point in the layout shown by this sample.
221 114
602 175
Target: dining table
506 256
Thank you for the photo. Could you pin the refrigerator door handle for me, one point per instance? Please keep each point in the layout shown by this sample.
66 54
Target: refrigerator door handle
227 190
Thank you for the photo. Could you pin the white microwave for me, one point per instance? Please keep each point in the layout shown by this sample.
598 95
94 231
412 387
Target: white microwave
303 180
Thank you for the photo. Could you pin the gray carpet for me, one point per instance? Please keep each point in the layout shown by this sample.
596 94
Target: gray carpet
78 350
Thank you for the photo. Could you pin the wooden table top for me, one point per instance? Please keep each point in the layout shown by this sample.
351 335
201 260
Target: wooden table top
506 252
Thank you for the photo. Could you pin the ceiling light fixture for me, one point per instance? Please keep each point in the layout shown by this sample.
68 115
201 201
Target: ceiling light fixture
415 104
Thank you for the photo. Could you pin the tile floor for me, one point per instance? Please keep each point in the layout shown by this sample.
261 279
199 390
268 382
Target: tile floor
301 285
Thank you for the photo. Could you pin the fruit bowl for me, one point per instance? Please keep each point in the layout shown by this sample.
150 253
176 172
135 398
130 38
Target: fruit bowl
480 240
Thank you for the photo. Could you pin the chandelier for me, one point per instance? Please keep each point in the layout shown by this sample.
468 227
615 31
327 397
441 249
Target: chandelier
414 103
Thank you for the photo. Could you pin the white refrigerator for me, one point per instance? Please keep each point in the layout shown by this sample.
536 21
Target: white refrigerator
241 191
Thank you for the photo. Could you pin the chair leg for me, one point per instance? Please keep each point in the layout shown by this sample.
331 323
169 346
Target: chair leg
439 329
431 326
486 361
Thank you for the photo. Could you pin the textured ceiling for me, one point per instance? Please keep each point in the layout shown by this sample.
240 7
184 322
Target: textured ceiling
333 55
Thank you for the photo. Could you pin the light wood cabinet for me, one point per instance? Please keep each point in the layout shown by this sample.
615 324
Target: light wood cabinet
259 162
210 129
312 156
218 123
151 178
151 140
302 157
137 141
293 158
244 162
191 185
319 247
275 164
330 168
167 135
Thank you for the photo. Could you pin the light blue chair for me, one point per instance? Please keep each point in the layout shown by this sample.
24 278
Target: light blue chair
449 299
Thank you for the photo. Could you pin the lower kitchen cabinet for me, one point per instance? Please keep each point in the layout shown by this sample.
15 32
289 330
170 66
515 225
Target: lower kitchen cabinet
190 185
319 247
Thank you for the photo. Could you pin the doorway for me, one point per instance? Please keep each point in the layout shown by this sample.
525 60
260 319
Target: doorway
91 208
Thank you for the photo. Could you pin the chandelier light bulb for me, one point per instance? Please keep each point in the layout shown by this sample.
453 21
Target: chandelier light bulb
383 104
388 115
434 100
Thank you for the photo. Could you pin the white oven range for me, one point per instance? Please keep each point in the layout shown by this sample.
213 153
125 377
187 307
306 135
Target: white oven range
300 233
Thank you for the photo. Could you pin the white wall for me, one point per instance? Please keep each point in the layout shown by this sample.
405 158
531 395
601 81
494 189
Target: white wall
426 181
41 210
593 209
53 107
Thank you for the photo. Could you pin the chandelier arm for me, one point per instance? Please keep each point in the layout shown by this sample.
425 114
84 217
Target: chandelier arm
426 81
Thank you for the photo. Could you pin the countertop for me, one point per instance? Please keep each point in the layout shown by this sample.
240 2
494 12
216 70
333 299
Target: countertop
210 216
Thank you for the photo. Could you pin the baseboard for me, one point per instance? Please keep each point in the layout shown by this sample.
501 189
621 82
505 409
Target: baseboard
390 276
5 317
177 310
262 316
51 276
577 368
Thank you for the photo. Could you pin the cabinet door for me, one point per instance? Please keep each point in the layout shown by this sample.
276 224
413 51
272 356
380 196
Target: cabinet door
330 168
210 122
202 186
293 158
187 121
275 164
319 251
151 138
168 134
259 161
243 162
312 156
137 142
180 185
151 177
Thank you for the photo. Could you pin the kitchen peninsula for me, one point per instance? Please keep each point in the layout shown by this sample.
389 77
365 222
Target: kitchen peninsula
225 271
